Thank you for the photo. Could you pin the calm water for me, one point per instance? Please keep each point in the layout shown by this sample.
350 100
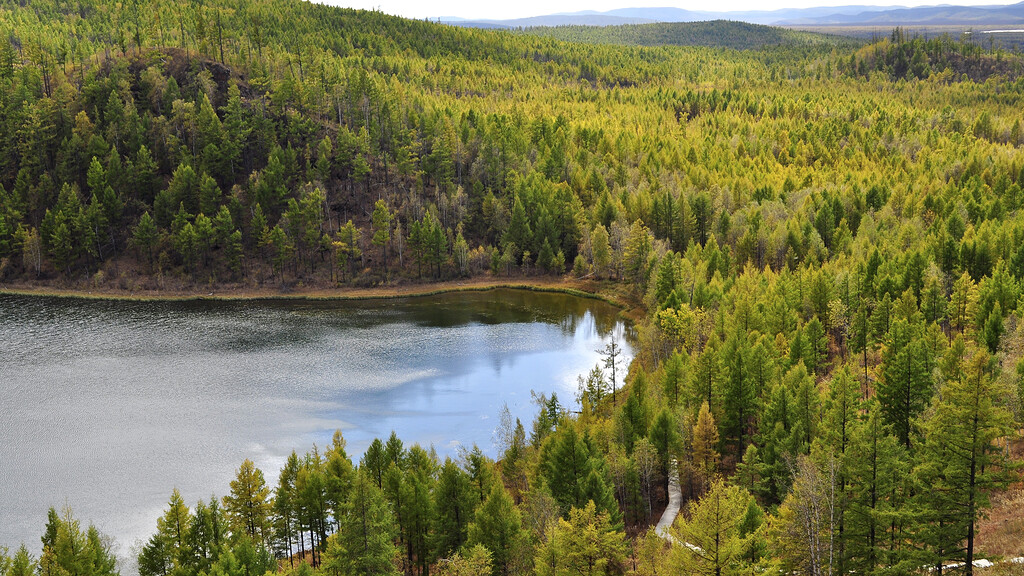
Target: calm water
106 406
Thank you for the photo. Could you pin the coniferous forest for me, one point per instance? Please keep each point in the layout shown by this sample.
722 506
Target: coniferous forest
822 241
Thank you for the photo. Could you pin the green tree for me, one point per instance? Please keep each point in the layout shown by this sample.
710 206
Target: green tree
173 530
382 228
22 564
906 386
673 379
346 247
284 507
145 236
961 461
364 543
497 526
878 464
637 256
455 503
475 562
600 249
518 232
664 436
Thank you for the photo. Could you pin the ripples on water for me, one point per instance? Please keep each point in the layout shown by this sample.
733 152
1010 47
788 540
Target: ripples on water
106 406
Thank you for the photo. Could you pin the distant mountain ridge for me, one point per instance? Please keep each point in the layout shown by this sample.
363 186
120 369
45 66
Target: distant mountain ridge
551 20
851 15
923 15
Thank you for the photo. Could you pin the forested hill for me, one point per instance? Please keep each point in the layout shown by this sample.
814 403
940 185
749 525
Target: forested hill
716 33
825 244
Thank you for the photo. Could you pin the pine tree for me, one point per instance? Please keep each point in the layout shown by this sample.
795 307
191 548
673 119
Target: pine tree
963 303
339 474
877 464
382 228
22 564
475 562
600 249
664 436
497 526
145 236
906 385
285 516
673 379
364 544
961 463
738 401
518 232
455 503
173 526
565 465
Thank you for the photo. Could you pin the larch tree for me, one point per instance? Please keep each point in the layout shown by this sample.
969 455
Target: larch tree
704 453
711 539
497 525
962 462
382 228
248 505
365 542
455 503
585 544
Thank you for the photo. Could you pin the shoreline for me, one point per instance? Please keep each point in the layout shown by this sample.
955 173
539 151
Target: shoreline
582 289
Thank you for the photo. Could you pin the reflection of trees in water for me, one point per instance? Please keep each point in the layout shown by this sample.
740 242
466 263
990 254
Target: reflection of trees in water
505 306
244 325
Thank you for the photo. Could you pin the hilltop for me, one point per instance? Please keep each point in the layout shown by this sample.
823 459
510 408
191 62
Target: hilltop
717 33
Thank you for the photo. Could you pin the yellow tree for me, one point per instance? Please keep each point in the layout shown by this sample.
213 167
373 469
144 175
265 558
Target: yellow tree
586 544
248 507
711 540
704 454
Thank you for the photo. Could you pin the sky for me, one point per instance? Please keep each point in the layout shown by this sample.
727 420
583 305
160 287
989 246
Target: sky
486 9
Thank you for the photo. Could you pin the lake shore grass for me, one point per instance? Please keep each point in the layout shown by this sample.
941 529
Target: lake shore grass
607 291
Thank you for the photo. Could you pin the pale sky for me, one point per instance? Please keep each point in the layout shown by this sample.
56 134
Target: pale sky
485 9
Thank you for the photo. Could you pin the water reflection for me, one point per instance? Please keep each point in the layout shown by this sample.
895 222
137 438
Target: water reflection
108 405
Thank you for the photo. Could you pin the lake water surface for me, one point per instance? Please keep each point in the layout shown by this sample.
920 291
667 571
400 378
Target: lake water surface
105 406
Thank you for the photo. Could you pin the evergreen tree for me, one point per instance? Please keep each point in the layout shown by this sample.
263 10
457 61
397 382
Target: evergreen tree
877 464
382 228
961 463
455 504
906 385
364 543
497 526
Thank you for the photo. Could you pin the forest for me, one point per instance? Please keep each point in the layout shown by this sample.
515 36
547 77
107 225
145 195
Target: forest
715 33
824 240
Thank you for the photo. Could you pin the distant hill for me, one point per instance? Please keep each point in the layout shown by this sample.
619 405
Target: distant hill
751 16
920 16
851 15
550 20
718 33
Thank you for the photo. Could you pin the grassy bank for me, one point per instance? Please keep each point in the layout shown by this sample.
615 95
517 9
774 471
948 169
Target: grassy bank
609 292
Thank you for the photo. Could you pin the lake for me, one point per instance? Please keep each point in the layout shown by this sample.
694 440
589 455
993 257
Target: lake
106 406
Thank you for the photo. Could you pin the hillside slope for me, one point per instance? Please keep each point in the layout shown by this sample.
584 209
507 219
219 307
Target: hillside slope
717 33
